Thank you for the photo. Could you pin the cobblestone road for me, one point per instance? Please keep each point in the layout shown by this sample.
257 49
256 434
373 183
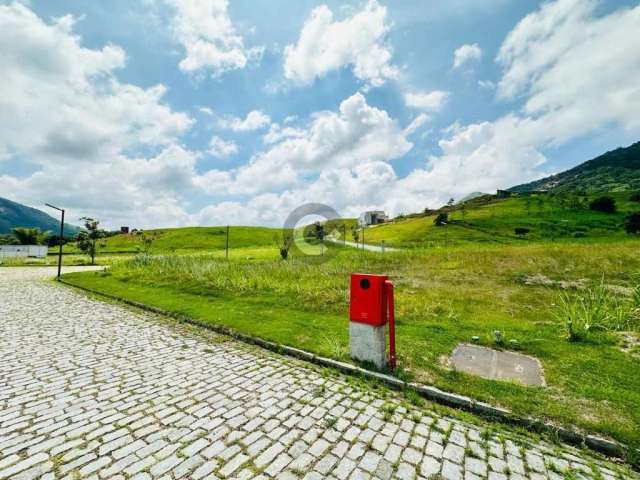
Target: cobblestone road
94 390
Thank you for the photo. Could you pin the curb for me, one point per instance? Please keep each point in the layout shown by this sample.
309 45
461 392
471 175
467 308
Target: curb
607 447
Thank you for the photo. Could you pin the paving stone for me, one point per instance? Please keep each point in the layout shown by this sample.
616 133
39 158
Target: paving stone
114 394
451 471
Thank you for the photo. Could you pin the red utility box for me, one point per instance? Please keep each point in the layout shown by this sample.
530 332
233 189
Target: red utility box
368 299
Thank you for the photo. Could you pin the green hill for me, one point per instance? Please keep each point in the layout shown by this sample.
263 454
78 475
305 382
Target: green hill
492 220
614 171
14 215
189 240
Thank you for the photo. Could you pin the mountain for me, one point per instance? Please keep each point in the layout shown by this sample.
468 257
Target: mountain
614 171
13 215
471 196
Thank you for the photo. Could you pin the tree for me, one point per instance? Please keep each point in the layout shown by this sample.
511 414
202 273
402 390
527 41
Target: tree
635 197
87 239
319 231
8 239
451 202
284 244
603 204
441 219
632 224
29 236
146 242
355 233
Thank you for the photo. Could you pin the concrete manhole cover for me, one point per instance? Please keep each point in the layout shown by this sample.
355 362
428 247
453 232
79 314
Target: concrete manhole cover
496 365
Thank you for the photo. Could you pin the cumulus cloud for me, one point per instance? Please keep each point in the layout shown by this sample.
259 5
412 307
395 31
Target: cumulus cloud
427 101
61 100
65 112
563 97
577 69
326 44
209 38
357 133
466 54
255 120
221 148
138 191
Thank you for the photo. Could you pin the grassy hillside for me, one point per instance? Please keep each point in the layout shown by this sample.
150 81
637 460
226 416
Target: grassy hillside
618 170
491 220
14 215
188 240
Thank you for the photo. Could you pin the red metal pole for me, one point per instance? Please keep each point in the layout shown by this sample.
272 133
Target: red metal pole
392 324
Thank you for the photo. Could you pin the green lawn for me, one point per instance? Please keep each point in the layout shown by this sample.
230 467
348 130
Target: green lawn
444 296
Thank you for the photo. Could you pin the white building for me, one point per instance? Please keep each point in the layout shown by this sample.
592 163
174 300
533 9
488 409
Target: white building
25 251
373 217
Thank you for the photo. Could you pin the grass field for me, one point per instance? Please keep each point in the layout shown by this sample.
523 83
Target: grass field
548 218
187 240
444 296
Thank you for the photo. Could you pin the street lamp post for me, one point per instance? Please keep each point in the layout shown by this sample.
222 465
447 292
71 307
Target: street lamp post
61 210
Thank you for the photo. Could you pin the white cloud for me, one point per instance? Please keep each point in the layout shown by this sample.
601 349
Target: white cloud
209 38
428 101
567 61
357 133
326 44
255 120
61 100
486 84
65 112
205 110
417 122
277 133
221 148
479 157
117 189
466 54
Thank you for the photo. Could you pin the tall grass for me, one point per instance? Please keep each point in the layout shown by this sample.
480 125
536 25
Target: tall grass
597 309
316 285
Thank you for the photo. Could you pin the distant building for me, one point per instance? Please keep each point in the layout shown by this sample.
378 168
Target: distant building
24 251
124 230
373 217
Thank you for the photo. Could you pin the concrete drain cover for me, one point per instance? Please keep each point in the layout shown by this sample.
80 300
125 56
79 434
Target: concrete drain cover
496 365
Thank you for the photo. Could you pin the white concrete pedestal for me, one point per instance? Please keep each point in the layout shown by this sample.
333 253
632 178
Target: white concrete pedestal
368 343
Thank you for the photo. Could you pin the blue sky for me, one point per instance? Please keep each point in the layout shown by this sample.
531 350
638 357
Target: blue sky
168 113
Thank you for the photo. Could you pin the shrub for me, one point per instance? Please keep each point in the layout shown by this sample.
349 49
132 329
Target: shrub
632 223
635 197
441 219
603 204
596 309
521 231
29 236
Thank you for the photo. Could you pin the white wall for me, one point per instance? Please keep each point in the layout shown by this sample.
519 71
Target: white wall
37 251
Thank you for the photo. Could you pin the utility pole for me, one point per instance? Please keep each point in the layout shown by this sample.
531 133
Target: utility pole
61 238
226 248
363 237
